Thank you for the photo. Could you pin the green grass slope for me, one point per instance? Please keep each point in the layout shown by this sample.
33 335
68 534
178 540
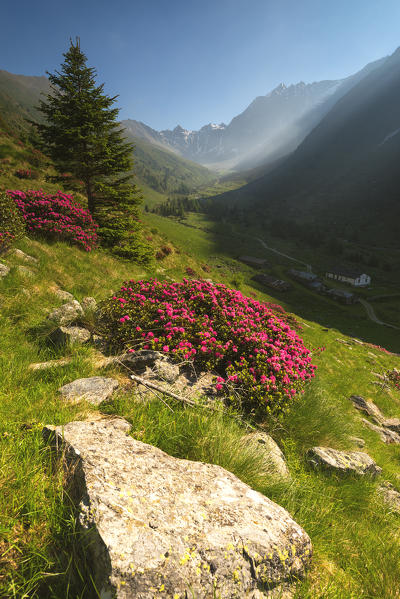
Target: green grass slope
19 95
165 172
355 535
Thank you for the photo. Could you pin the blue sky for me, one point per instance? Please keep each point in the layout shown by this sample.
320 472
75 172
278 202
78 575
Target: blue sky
195 61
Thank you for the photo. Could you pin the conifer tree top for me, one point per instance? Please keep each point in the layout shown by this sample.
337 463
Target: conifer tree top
81 132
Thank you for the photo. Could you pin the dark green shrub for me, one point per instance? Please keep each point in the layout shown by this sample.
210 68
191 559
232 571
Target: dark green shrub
12 225
121 232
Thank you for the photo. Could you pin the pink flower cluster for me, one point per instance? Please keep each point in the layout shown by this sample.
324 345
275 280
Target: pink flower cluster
57 216
258 357
378 347
394 377
25 173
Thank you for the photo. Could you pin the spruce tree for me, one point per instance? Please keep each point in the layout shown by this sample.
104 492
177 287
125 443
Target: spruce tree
82 136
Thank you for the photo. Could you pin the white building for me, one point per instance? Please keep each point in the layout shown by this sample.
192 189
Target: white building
355 278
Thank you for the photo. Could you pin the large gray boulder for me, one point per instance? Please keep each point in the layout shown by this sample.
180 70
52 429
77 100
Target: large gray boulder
69 336
159 526
274 462
67 313
94 389
342 462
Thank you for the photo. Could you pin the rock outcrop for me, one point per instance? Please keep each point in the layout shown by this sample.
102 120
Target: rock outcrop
386 434
160 526
343 462
94 389
157 367
368 407
387 428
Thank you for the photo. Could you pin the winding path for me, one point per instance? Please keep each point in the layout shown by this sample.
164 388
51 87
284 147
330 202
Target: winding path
308 266
372 316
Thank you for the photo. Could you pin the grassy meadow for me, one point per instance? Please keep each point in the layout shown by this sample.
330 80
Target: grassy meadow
355 535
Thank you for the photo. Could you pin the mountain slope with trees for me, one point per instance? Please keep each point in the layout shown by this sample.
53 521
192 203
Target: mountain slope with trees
158 168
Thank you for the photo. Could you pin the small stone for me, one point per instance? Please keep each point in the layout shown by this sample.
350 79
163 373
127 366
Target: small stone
49 364
4 270
274 460
66 313
152 521
357 441
88 304
25 257
24 271
94 389
355 462
64 295
390 495
379 376
358 341
69 336
388 436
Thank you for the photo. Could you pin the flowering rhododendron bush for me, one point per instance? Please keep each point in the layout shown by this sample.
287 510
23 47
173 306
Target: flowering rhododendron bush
261 362
12 225
56 216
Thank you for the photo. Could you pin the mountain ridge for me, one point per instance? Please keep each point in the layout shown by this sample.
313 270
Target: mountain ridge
344 174
271 126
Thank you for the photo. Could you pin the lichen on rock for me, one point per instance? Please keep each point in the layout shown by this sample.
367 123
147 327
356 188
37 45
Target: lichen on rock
156 525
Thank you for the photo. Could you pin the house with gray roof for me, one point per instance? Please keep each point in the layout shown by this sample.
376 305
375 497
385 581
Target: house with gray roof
345 275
